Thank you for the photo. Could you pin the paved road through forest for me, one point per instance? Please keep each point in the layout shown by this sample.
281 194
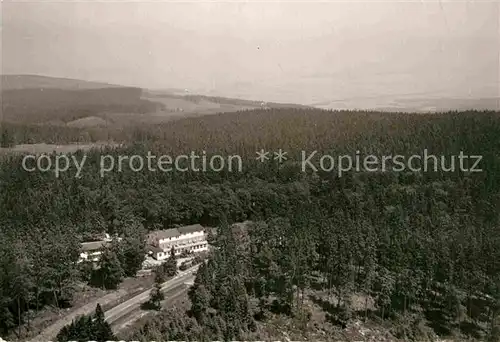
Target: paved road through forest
49 333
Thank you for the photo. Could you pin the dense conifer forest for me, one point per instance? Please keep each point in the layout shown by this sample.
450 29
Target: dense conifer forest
425 246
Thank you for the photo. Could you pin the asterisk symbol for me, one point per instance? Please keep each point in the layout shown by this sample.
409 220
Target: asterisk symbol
262 155
280 155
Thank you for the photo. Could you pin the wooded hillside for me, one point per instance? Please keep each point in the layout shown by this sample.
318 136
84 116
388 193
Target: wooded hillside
424 245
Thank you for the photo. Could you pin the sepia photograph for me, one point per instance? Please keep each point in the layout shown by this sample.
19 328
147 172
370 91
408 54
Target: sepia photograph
281 170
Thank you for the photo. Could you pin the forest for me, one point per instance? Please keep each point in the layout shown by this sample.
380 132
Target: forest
46 105
425 246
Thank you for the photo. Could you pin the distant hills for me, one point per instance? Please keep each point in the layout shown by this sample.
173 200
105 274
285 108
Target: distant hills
417 104
36 99
446 104
19 82
42 101
33 99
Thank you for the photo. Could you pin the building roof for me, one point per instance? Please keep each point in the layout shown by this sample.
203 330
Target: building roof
154 249
191 229
174 232
93 246
165 234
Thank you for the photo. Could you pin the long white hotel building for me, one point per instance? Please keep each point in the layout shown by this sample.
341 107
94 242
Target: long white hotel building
188 238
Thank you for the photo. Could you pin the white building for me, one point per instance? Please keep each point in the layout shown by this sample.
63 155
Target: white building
188 238
91 251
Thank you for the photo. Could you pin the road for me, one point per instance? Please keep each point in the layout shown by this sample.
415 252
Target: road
126 321
135 302
49 333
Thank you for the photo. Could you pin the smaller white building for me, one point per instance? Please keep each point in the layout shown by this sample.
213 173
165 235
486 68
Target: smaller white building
92 251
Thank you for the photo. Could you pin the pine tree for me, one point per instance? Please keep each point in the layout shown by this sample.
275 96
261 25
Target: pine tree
170 266
156 296
81 329
101 329
87 328
160 275
6 317
132 251
110 269
200 302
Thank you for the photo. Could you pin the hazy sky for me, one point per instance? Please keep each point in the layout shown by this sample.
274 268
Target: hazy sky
285 51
